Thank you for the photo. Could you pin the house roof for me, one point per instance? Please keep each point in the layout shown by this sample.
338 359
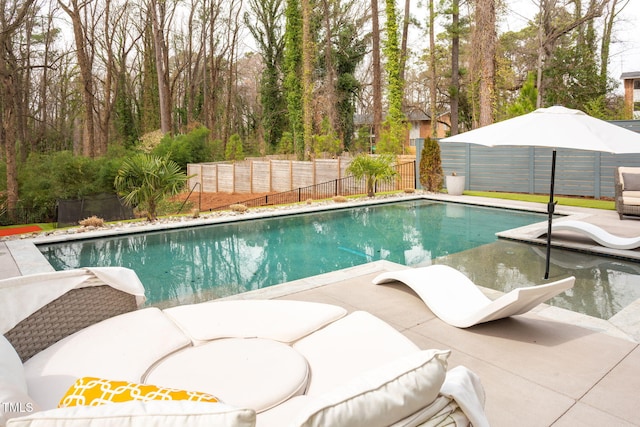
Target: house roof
630 75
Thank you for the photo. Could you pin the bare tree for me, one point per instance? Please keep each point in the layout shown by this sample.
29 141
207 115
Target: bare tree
549 31
454 91
77 12
376 70
12 16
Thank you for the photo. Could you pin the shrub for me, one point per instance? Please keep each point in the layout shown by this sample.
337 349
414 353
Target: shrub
146 180
431 166
372 169
92 221
238 208
234 148
340 199
192 147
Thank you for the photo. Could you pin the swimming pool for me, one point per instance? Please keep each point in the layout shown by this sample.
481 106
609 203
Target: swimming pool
230 258
200 263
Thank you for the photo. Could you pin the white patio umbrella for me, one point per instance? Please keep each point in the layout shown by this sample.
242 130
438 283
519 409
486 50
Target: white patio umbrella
554 127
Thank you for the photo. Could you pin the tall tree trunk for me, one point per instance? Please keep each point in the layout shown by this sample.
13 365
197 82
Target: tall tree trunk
307 70
86 74
432 72
231 70
157 10
330 80
8 128
9 94
486 39
606 38
405 36
455 66
377 71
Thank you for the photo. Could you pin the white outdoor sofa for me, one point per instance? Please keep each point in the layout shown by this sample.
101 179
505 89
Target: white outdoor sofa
270 362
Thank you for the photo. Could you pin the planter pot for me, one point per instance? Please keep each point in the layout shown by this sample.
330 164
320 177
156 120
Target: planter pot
455 184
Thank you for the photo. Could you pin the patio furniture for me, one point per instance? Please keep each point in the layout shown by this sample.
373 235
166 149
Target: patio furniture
269 363
592 231
456 300
627 181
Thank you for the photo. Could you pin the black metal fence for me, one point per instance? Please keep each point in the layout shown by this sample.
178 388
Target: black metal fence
347 186
109 207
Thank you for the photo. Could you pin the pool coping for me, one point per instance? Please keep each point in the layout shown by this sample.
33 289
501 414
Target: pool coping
624 324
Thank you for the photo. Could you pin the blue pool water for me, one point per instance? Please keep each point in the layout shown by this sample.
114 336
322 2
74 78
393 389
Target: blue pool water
197 263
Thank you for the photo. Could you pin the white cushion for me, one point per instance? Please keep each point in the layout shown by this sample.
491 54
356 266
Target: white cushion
381 396
141 414
14 403
281 320
14 400
348 347
281 415
249 373
631 200
119 348
11 370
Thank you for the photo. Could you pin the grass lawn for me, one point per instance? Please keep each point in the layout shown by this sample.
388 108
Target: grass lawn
541 198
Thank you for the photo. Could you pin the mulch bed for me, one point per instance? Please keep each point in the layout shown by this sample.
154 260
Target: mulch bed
19 230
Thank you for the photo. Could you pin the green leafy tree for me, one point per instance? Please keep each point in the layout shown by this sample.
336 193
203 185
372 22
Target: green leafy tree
234 149
373 170
526 101
192 147
267 31
293 74
328 142
349 52
286 144
362 141
394 128
145 180
431 166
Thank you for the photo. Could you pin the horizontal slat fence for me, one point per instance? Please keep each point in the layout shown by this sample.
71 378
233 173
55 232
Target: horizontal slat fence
528 169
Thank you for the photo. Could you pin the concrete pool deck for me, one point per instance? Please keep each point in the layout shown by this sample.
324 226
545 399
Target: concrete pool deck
549 367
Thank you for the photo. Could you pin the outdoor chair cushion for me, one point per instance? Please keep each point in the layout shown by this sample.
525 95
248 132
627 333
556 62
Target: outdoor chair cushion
349 339
141 414
90 391
282 320
14 400
381 396
631 181
631 199
102 351
244 372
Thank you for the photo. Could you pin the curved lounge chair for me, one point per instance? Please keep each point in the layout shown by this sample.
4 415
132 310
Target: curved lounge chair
595 233
455 299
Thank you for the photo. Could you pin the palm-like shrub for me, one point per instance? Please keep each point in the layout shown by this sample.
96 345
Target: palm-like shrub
373 170
145 180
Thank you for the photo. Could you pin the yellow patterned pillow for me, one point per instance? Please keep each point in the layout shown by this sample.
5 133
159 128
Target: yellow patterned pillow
89 391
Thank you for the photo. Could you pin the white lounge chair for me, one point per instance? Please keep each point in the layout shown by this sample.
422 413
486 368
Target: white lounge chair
455 299
595 233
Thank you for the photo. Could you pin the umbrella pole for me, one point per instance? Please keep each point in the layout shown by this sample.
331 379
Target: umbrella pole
550 209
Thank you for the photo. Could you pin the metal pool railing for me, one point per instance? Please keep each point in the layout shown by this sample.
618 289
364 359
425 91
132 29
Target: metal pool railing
347 186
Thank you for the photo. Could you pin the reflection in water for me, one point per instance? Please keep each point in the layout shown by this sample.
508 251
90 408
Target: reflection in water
203 263
603 286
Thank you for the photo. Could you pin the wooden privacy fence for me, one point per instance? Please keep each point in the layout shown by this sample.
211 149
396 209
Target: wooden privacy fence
528 169
344 186
268 176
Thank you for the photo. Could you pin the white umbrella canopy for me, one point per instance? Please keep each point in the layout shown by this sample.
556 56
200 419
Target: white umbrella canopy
554 127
